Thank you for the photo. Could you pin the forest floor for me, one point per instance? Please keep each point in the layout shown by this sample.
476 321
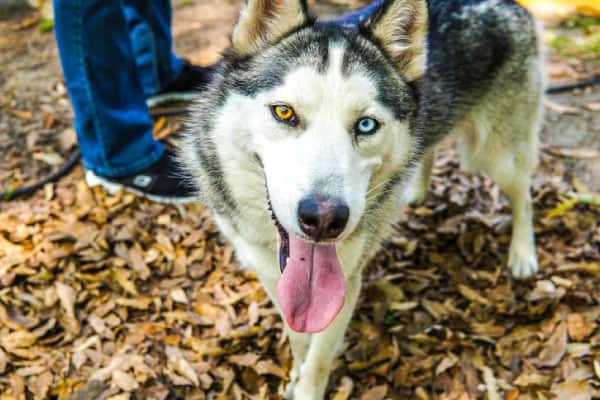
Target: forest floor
116 297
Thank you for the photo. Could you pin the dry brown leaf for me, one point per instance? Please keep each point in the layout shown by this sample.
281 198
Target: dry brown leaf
595 107
447 362
67 139
579 329
245 360
404 306
40 385
181 365
268 367
491 385
52 159
472 295
344 389
136 261
3 360
573 390
123 278
179 296
124 381
578 350
375 393
576 154
17 340
122 362
66 296
555 349
100 327
22 114
513 394
18 387
559 108
139 303
531 378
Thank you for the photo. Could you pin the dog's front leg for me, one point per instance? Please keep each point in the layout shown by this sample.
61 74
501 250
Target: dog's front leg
324 347
299 342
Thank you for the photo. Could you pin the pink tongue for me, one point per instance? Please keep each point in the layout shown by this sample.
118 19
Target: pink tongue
311 290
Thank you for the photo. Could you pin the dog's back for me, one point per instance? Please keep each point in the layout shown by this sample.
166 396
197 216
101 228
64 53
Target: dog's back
474 47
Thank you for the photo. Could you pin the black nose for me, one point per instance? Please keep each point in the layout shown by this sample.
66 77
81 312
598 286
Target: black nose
322 218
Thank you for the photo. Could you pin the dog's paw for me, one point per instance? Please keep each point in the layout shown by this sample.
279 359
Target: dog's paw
287 392
523 261
304 394
415 195
309 390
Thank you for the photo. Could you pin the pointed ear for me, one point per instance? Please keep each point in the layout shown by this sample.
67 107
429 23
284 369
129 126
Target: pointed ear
400 28
263 22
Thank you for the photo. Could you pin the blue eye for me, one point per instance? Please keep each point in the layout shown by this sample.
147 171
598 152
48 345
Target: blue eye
367 126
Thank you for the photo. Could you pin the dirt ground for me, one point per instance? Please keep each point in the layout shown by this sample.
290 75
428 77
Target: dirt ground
116 297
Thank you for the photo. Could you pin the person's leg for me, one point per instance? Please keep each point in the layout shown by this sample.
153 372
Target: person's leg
169 65
355 18
114 128
149 25
142 42
165 76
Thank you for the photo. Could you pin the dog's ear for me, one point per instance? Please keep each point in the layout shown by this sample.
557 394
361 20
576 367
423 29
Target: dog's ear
263 22
400 28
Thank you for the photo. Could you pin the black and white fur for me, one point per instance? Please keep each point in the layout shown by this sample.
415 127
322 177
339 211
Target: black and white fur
470 68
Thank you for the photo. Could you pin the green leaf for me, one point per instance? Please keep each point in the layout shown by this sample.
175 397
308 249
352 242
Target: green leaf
46 25
8 196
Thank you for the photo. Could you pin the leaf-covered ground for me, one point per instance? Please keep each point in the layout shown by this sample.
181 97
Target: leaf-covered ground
122 296
115 297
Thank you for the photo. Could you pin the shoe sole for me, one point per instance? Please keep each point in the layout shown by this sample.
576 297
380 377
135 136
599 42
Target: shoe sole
170 98
113 188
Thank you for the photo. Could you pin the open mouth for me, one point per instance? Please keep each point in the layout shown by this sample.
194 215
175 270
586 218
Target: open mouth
284 238
311 290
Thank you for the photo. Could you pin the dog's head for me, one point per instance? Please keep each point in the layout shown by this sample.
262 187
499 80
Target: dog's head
327 112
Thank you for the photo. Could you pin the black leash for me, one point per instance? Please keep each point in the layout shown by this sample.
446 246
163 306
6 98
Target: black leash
72 162
574 86
27 190
74 158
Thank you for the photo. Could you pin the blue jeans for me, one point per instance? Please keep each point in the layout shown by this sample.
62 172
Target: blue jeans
114 55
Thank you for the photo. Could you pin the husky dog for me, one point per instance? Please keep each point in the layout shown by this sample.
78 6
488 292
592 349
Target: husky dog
313 136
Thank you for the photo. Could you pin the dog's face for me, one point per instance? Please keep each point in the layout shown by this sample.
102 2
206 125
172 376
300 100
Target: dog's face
322 136
327 113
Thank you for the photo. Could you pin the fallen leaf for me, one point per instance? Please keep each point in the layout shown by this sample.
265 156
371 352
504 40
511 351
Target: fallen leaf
595 107
67 139
559 108
375 393
555 349
179 296
17 340
573 390
447 362
344 389
22 114
66 296
579 329
472 295
124 381
181 365
52 159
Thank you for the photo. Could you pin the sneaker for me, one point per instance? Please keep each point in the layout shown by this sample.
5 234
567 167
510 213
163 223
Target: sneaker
190 80
163 182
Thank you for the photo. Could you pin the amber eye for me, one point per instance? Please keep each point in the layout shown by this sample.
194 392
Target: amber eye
285 114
